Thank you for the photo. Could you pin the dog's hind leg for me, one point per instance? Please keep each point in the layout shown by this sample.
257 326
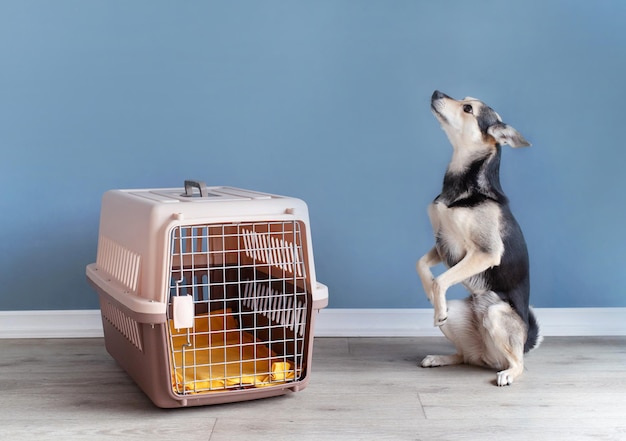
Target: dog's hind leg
460 329
504 342
441 360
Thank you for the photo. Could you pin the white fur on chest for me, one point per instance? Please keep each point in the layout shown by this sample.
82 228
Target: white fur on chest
463 230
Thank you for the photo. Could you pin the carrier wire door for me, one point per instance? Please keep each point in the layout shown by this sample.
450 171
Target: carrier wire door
246 285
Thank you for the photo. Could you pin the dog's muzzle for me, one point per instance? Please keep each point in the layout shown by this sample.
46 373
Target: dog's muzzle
438 96
436 103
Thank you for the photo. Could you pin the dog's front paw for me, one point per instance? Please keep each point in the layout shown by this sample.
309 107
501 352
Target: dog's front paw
440 304
428 289
440 319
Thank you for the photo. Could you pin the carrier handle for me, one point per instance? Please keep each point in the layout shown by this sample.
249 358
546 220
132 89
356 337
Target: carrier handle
200 185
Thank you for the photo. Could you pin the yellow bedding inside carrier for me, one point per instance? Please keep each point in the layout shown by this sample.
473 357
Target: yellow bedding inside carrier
217 355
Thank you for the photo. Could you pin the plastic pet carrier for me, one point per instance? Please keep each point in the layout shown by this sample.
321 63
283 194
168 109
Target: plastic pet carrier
208 294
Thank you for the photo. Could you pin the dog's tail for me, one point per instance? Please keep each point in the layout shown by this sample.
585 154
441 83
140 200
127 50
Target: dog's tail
534 338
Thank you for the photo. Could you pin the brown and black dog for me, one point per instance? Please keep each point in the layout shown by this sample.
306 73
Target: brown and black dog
481 244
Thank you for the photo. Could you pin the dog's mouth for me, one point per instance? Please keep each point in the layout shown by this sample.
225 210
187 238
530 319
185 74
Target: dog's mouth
437 103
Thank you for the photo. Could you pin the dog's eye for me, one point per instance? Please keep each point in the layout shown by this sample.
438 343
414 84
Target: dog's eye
468 109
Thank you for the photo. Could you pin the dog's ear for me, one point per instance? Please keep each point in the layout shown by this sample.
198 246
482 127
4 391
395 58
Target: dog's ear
505 134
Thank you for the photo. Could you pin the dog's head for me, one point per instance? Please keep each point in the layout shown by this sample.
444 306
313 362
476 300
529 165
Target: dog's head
472 125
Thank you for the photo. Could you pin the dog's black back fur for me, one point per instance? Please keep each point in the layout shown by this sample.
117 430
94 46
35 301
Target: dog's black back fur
476 185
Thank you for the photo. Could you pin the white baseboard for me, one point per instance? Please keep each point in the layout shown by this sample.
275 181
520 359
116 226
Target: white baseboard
51 324
329 323
419 322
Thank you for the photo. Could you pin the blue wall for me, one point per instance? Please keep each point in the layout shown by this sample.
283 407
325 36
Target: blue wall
323 100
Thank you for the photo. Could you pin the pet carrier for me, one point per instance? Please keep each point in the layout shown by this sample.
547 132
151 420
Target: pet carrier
208 294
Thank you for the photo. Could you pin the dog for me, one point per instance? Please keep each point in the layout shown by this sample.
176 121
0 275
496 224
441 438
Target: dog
481 244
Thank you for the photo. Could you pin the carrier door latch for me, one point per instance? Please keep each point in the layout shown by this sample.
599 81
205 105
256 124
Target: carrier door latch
183 311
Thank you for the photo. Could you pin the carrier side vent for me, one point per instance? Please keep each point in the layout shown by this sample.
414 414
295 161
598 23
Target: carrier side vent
119 262
272 250
281 309
127 326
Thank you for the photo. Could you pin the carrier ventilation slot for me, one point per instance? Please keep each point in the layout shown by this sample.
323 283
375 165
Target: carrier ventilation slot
270 303
121 263
272 250
127 326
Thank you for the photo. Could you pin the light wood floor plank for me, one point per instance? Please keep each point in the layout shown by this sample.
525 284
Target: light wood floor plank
360 389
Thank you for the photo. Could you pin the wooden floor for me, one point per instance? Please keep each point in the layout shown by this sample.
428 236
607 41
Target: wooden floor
361 389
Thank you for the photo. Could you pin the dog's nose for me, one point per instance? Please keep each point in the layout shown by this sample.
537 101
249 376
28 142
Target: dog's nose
439 95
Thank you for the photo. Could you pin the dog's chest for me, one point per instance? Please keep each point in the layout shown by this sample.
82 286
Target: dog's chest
449 226
460 229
